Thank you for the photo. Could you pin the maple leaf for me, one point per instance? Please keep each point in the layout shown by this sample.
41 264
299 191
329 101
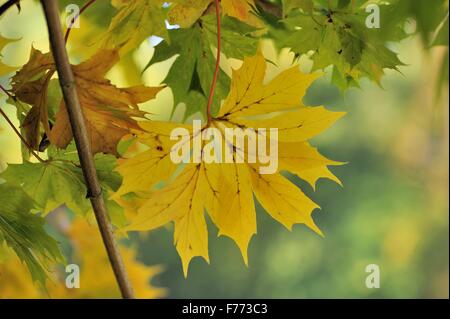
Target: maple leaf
186 12
135 21
226 190
342 39
242 10
106 108
50 184
59 181
156 137
198 61
24 232
30 85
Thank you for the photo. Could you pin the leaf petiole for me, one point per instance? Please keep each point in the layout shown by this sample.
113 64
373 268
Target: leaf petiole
217 67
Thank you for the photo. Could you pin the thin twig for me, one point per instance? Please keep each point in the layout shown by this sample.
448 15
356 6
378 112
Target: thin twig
8 4
217 68
7 92
24 141
68 86
40 159
72 22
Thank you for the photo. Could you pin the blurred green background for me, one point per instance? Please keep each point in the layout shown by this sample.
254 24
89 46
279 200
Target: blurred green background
392 211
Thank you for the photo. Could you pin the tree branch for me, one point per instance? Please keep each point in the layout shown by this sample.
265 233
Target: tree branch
8 4
68 86
30 149
24 141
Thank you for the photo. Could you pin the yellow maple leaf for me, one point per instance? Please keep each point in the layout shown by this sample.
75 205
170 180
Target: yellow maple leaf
156 137
226 190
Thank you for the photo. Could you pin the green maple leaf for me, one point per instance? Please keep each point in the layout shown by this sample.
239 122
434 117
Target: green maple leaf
50 184
60 181
24 232
191 75
236 37
427 14
337 34
342 40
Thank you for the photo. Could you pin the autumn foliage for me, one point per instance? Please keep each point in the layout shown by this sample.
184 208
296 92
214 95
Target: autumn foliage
143 188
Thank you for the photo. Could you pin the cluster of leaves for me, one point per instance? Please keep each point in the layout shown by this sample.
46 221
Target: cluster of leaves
345 37
154 190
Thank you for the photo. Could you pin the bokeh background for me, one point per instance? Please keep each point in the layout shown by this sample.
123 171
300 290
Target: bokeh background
392 211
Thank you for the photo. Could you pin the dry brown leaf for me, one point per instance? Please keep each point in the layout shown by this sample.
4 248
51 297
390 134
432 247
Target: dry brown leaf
108 110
